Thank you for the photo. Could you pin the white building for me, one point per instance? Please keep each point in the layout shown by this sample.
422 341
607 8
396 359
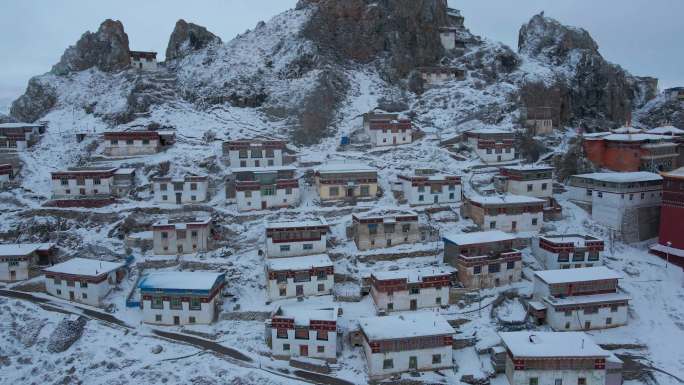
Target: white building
83 183
302 332
420 341
627 202
527 180
20 136
339 181
568 250
434 76
411 289
180 297
6 173
541 358
299 276
188 190
579 299
254 153
427 188
16 260
492 145
292 239
180 237
262 188
509 213
135 143
385 132
83 280
382 228
141 60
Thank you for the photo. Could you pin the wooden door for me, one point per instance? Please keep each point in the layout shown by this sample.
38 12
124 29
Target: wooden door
413 362
13 275
176 320
299 290
303 350
72 296
414 304
514 225
264 205
178 198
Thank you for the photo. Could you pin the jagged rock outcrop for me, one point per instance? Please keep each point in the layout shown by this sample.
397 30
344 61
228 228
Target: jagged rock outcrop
406 32
599 94
317 111
38 99
107 49
188 37
665 110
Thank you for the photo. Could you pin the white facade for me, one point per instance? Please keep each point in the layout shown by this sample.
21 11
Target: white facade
124 145
523 222
256 153
586 251
433 337
313 342
14 270
292 239
542 188
299 277
255 200
496 155
601 317
180 298
82 183
145 61
437 189
380 138
180 191
16 260
425 288
181 238
82 280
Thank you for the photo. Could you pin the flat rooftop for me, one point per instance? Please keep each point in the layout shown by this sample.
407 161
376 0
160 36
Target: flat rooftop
583 274
408 325
478 237
299 263
21 249
84 267
384 213
576 240
587 299
345 167
180 280
551 344
505 199
413 275
621 177
305 223
303 315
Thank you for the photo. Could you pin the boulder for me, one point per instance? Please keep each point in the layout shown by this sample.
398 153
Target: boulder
67 332
38 99
107 50
188 37
405 32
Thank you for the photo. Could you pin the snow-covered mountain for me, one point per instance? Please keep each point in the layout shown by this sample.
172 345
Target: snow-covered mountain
307 75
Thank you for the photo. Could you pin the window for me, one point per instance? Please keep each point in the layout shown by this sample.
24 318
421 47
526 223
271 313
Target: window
544 186
191 320
114 142
581 381
284 248
587 325
256 153
248 194
558 381
510 265
593 255
193 234
414 290
322 335
365 191
288 191
477 270
80 181
320 349
390 306
193 198
282 292
421 198
286 347
270 162
568 313
529 187
567 325
534 221
84 295
158 317
195 303
97 181
452 196
157 303
146 141
129 142
84 284
243 163
534 381
281 333
334 191
614 308
609 321
302 334
436 359
372 229
176 303
563 257
438 300
405 228
302 276
321 275
421 188
492 224
321 287
389 229
165 235
270 153
64 182
591 310
388 364
599 194
308 246
70 283
58 281
59 292
589 193
494 268
193 186
578 256
163 187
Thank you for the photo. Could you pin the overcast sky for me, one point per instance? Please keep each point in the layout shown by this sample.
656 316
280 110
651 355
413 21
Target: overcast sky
641 35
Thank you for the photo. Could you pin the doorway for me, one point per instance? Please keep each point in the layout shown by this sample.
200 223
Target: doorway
414 304
304 350
72 296
299 290
176 320
178 198
13 275
264 205
413 363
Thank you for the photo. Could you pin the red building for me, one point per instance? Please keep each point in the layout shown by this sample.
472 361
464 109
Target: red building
671 238
631 151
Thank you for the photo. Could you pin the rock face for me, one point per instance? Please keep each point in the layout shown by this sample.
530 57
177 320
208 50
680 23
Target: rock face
599 94
66 333
38 99
188 37
406 32
107 49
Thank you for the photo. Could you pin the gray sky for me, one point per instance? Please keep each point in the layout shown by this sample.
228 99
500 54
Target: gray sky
643 36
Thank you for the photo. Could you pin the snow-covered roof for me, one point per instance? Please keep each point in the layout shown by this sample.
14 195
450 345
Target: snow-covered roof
124 171
678 173
20 125
406 325
345 167
576 240
180 280
528 167
307 223
303 315
632 137
587 299
551 344
582 274
478 237
665 130
627 130
85 267
622 177
489 131
413 275
20 249
182 225
385 213
299 263
504 199
263 169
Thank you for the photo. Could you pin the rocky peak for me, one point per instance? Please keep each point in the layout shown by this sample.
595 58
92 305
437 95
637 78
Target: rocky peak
406 32
546 38
107 49
188 37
